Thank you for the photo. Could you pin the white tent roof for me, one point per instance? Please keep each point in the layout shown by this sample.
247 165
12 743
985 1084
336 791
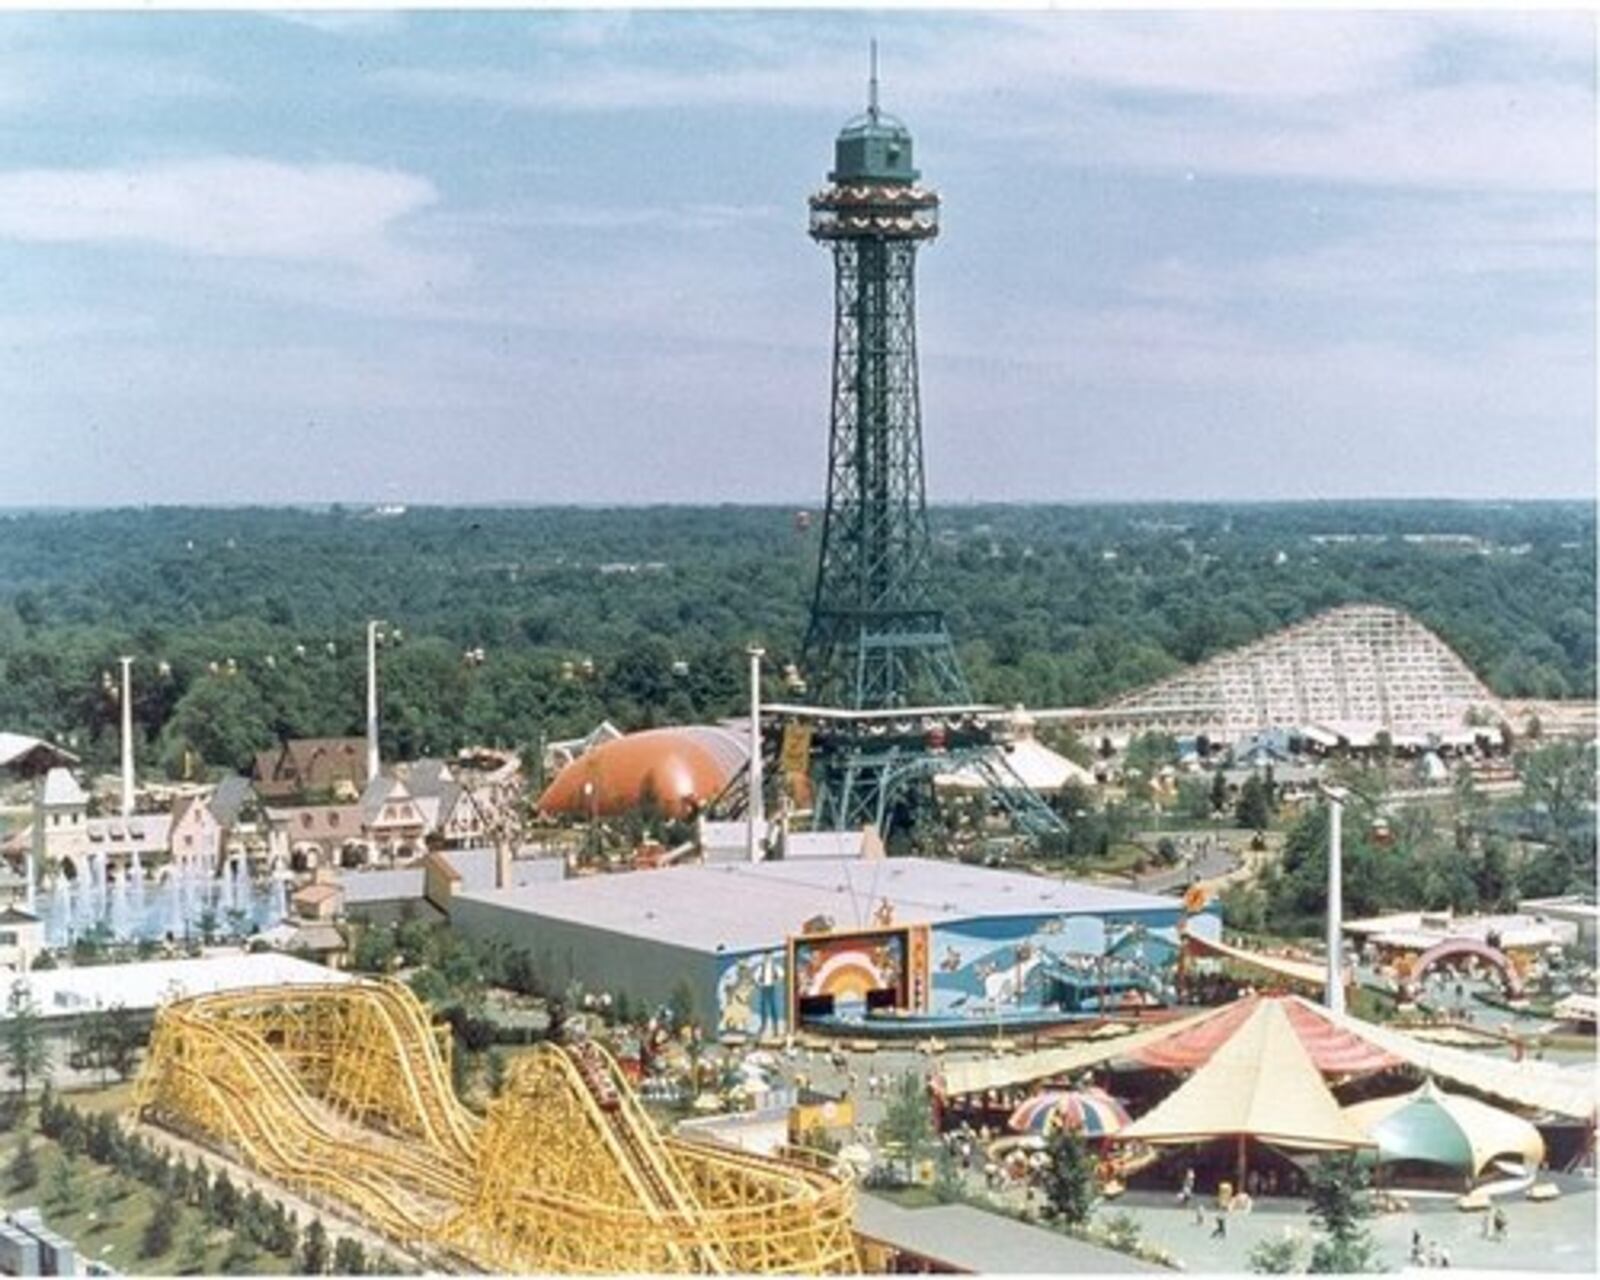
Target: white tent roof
1040 768
1540 1086
146 984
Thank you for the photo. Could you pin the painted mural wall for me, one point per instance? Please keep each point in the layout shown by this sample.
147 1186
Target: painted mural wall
980 966
971 968
752 994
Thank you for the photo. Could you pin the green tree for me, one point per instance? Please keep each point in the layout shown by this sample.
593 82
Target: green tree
22 1040
241 1258
1340 1206
1070 1189
495 1070
107 1191
223 1204
192 1253
1219 791
224 719
123 1041
946 1176
375 950
94 1032
63 1193
1194 799
159 1227
24 1168
1279 1255
349 1258
314 1249
1149 753
907 1124
1253 811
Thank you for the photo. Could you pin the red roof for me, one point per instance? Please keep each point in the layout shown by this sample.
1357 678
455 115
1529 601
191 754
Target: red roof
1333 1050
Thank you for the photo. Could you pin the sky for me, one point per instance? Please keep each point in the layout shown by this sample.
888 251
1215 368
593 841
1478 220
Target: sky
543 257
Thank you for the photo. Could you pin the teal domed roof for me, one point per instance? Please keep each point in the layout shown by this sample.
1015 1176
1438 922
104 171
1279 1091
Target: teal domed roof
873 147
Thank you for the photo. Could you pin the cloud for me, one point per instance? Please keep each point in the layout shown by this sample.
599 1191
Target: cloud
578 88
36 80
1407 254
232 208
341 22
1538 138
1378 98
689 216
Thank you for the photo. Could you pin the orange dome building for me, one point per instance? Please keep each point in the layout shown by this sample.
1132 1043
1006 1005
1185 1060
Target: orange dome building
677 769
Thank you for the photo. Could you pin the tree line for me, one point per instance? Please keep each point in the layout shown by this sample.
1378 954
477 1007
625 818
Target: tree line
248 624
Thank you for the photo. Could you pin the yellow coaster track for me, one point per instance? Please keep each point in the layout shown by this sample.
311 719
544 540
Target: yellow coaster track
343 1091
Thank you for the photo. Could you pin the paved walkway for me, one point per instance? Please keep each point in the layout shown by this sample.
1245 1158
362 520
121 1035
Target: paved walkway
1557 1236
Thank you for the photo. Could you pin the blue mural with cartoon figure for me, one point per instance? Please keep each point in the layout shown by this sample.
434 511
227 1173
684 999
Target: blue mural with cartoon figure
752 998
986 966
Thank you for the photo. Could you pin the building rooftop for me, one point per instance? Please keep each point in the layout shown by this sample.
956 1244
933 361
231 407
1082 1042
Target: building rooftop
146 984
26 754
986 1243
61 788
745 906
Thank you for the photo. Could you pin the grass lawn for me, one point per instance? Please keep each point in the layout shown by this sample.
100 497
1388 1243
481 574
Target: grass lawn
106 1213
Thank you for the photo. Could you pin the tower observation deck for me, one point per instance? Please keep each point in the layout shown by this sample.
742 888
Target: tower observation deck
877 642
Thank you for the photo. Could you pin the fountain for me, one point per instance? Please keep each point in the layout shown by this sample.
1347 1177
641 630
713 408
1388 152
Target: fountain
136 896
131 906
173 888
59 927
121 926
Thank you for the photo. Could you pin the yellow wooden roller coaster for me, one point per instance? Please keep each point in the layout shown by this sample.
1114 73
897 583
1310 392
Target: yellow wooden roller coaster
342 1092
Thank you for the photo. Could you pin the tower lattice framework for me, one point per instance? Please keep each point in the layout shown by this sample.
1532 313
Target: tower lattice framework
877 641
876 638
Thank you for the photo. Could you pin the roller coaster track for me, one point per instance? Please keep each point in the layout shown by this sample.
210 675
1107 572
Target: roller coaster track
342 1092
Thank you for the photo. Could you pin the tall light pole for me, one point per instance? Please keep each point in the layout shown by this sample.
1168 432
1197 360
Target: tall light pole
1334 995
757 817
373 627
127 737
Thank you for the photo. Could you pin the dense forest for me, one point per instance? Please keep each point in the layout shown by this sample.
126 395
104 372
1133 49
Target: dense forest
247 624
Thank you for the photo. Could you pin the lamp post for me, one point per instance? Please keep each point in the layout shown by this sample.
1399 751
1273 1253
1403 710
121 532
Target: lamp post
1333 996
591 800
127 737
374 627
756 815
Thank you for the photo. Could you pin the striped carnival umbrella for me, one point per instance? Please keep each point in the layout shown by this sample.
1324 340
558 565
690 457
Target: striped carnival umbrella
1091 1112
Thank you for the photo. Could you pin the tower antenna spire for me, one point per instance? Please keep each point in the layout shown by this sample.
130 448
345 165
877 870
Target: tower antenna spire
872 84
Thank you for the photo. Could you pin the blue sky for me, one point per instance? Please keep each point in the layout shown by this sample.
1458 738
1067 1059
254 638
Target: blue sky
561 257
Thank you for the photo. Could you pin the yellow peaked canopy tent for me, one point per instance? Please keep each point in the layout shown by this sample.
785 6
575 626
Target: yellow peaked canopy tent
1536 1086
1260 1084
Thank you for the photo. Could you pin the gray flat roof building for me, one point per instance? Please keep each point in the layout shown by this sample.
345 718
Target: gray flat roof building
753 906
754 942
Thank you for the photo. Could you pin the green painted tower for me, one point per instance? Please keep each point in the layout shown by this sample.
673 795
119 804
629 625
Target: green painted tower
892 706
876 639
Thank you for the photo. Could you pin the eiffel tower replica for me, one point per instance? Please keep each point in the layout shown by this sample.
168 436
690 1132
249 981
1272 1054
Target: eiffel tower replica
877 652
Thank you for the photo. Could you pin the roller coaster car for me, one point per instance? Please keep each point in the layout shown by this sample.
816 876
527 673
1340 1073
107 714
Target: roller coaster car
593 1071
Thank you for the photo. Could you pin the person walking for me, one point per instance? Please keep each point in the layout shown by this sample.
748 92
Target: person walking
1186 1187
